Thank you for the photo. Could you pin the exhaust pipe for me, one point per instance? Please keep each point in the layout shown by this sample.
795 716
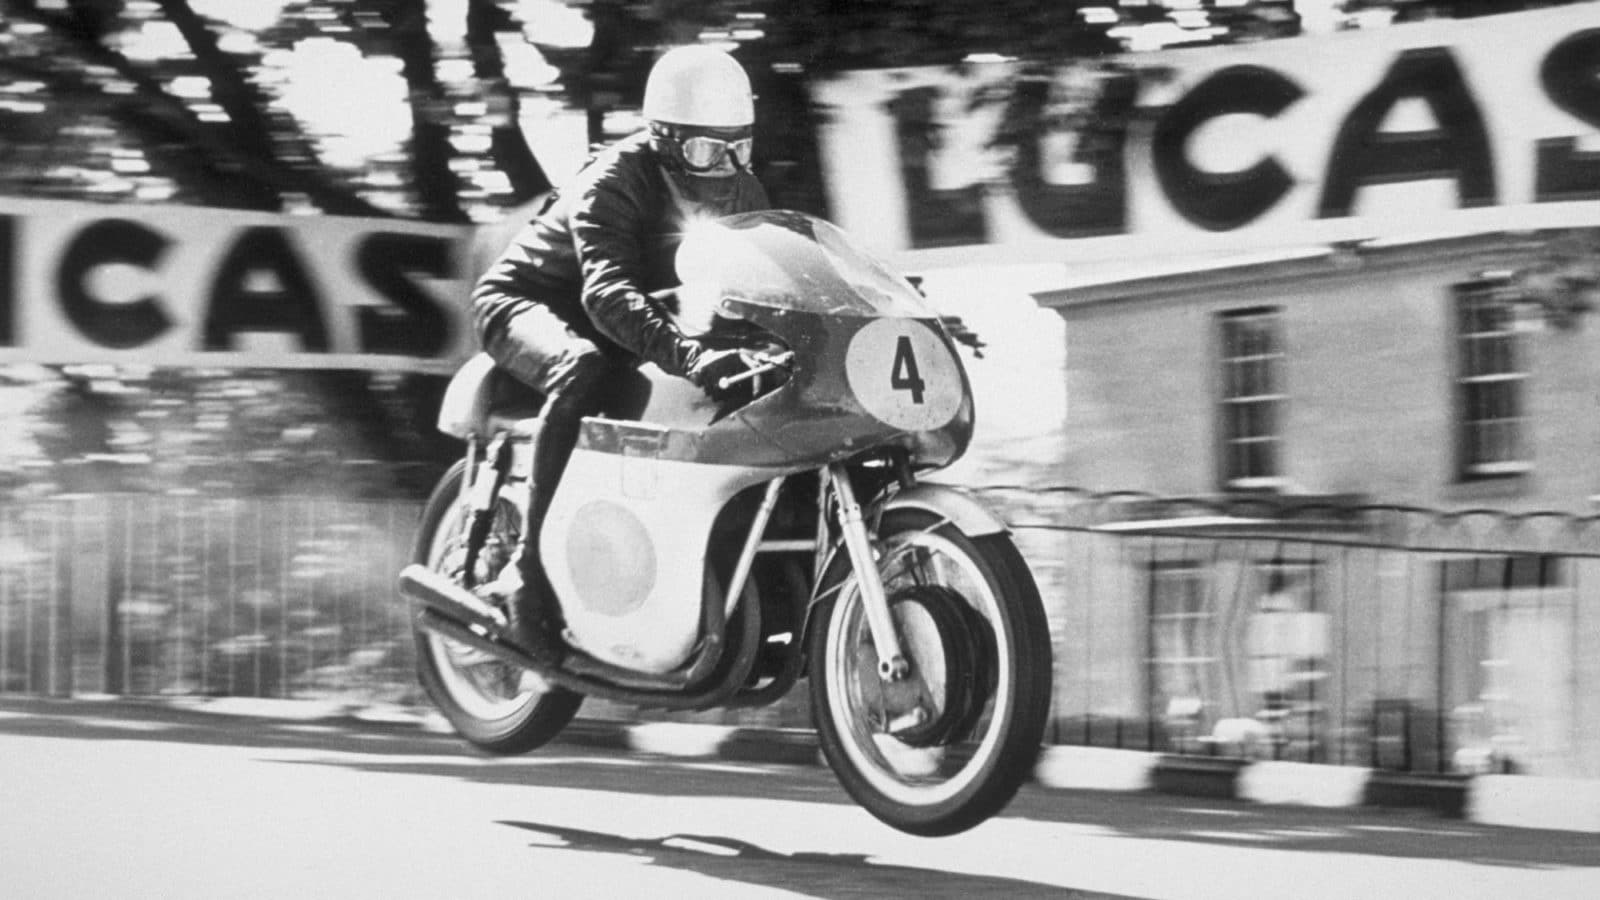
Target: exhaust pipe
431 621
450 600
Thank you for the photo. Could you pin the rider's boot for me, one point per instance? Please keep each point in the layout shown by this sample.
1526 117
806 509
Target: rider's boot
526 599
534 619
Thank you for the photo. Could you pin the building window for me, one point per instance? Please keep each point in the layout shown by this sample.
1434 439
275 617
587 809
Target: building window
1252 398
1183 656
1286 650
1490 381
1507 690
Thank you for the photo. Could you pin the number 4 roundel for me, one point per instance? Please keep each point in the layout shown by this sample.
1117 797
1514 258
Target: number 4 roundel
904 374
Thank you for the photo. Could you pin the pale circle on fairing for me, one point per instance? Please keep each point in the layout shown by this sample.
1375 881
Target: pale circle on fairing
903 374
611 558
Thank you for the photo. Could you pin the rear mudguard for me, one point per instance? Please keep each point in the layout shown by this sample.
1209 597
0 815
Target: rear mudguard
464 410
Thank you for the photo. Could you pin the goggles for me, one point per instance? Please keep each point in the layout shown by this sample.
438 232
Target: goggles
703 153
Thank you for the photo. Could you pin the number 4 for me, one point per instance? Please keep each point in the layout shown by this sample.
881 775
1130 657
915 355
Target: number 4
904 375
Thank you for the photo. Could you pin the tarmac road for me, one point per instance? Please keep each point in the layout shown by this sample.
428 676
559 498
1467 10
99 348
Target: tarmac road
120 800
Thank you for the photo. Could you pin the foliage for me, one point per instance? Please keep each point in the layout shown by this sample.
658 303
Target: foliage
156 101
233 433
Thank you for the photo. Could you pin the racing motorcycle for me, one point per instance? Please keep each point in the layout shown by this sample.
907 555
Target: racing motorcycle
712 553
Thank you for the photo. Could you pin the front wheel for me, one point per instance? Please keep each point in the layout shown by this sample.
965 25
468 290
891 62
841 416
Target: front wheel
947 746
497 707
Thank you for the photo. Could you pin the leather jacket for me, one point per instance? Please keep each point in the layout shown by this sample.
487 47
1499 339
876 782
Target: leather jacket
596 251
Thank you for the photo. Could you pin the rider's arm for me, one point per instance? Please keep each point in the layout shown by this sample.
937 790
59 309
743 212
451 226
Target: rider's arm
607 221
538 262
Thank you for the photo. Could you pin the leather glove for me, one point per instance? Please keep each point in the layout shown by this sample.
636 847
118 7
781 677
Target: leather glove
708 367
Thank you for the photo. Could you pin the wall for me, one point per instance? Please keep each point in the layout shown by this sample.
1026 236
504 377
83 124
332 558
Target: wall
1370 354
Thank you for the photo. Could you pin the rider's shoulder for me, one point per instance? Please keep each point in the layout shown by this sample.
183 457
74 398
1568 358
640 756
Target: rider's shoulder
625 167
626 155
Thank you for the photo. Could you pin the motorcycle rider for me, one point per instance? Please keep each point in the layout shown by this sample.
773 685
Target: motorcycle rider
567 306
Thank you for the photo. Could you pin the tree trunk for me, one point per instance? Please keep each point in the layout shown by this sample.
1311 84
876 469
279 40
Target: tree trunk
511 153
430 136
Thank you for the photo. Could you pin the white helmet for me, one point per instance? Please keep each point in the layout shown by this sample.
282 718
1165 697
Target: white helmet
699 85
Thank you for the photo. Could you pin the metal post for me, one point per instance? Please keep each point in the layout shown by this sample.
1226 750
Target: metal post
5 606
63 660
1440 672
116 660
1151 676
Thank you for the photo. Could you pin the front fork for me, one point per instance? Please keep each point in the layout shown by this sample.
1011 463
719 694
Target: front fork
892 664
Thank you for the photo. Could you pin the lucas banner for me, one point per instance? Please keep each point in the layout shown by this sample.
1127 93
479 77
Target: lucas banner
1473 125
189 286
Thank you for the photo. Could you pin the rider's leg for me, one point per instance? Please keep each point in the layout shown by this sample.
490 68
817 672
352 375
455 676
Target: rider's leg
577 394
538 348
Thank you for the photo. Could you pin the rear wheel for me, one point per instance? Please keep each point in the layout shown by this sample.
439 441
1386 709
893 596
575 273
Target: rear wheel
496 706
944 748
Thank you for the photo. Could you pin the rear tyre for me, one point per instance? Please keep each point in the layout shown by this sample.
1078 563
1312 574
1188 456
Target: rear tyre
948 746
495 706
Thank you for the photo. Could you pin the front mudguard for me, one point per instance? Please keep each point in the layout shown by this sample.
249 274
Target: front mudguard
952 504
963 510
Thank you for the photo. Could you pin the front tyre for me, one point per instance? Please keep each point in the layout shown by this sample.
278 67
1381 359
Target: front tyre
497 707
948 746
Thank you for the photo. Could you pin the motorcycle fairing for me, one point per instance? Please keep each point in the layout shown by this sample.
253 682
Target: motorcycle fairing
624 547
873 364
860 383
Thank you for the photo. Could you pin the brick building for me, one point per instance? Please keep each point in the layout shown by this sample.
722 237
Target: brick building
1438 373
1322 593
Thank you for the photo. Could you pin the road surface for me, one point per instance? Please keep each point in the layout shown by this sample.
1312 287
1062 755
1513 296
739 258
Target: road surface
133 801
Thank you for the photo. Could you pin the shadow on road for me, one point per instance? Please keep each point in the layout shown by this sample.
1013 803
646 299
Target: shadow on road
831 876
374 748
1411 834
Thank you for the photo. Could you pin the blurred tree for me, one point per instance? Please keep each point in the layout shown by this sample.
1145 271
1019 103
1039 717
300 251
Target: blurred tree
71 56
826 36
160 100
437 196
486 20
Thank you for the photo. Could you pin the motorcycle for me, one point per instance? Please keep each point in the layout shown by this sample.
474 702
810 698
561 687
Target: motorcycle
712 554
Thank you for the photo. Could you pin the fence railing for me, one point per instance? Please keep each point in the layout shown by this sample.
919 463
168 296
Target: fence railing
1335 633
149 595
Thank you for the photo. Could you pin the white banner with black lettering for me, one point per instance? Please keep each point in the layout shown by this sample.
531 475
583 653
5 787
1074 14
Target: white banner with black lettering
1473 125
171 285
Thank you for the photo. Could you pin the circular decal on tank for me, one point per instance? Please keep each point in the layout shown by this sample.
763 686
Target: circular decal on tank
903 374
610 558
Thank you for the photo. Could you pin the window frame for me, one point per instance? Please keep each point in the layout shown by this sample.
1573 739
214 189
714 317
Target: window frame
1233 432
1182 660
1477 456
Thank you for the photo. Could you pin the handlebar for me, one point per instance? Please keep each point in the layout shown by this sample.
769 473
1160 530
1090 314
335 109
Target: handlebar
764 364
